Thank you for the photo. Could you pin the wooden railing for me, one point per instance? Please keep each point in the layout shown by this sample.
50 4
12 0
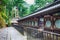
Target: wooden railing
34 34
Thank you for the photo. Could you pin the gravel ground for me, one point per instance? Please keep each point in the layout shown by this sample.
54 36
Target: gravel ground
10 33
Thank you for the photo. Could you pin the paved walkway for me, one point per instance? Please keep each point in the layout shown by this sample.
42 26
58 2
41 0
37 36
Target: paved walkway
11 33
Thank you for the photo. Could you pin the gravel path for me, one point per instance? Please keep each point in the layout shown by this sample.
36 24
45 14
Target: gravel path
10 33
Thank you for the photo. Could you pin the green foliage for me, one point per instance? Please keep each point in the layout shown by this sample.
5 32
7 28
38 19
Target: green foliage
9 22
38 4
2 20
4 16
23 8
43 3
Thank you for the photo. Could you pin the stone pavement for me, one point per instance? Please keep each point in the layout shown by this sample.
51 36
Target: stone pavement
10 33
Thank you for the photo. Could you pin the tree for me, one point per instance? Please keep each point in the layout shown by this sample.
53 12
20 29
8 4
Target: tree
43 3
